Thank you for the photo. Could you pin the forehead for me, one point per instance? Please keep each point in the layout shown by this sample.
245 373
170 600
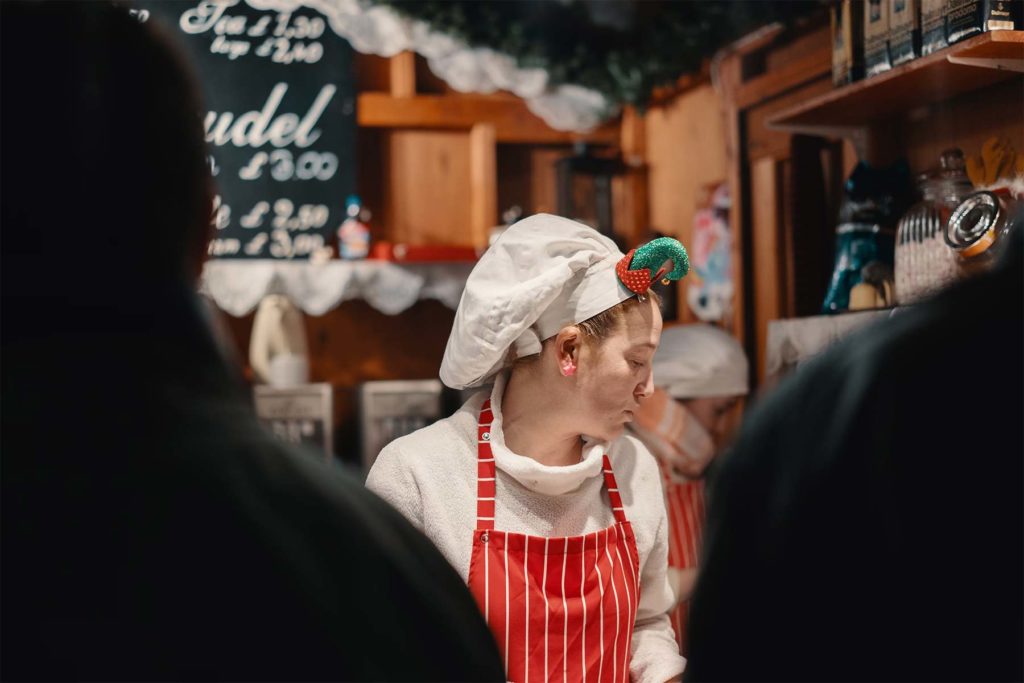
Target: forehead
640 325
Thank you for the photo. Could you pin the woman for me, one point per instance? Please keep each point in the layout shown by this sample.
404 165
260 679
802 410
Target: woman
556 523
700 374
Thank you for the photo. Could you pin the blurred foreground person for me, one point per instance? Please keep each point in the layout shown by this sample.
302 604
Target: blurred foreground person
868 523
700 374
150 529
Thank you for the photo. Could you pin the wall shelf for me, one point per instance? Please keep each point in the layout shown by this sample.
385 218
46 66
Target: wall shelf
512 120
851 110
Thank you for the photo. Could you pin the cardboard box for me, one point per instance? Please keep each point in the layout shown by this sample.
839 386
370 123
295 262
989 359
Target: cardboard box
966 18
904 30
933 26
1004 15
847 41
876 37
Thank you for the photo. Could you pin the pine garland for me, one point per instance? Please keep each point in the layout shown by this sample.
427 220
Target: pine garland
624 49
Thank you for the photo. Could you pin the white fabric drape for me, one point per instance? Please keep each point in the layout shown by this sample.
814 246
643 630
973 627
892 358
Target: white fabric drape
238 285
379 30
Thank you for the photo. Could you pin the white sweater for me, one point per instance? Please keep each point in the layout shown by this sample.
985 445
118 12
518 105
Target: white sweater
430 476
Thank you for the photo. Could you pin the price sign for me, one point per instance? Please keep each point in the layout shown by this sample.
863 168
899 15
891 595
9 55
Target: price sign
301 415
280 120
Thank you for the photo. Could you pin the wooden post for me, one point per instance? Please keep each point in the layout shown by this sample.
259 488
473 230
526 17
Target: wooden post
633 139
402 70
634 213
767 248
483 183
730 78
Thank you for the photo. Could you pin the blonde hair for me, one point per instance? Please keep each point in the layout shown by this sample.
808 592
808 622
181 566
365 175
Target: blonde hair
594 329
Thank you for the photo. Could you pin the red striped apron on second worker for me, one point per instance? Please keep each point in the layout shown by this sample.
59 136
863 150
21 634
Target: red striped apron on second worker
684 504
560 608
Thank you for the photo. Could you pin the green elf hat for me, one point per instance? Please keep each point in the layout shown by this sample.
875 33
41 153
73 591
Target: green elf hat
636 267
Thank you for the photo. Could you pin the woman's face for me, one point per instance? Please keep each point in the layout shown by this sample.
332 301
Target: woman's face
615 373
716 414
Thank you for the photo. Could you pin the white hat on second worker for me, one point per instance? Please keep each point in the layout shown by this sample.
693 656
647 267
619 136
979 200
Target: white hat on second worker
544 273
699 360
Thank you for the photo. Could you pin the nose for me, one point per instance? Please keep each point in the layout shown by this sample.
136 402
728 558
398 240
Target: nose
645 388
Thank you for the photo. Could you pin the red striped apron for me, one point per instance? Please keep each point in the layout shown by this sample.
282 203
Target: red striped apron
560 608
684 503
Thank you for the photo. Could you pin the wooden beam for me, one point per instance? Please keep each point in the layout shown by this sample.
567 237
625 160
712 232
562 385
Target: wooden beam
513 122
730 76
632 215
633 188
402 70
633 138
683 85
761 139
483 183
767 246
631 195
755 40
778 82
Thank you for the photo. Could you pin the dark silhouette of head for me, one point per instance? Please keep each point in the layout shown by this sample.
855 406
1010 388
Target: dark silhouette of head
105 186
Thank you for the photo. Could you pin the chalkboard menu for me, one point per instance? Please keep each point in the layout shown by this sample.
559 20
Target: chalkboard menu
279 91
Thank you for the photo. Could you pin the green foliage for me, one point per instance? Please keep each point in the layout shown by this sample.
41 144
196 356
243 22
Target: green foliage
624 49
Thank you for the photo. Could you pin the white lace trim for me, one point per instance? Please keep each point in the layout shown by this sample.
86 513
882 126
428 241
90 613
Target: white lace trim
237 286
381 31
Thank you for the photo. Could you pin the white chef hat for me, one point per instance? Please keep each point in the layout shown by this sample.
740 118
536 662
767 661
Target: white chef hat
700 360
543 273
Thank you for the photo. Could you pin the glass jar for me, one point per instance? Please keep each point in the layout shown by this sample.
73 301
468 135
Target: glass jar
954 185
925 263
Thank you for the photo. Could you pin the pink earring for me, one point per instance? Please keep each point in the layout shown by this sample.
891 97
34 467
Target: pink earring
568 368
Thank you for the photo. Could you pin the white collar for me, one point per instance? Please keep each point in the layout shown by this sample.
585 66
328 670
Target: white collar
535 476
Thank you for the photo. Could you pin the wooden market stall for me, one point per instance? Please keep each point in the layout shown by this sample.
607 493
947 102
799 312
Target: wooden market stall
436 167
439 167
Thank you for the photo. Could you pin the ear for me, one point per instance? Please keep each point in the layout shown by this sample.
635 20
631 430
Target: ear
567 349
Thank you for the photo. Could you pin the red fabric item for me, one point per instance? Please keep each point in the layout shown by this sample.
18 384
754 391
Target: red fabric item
668 431
639 280
426 253
560 608
684 503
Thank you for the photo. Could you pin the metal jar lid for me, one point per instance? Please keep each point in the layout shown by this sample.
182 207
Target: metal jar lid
972 227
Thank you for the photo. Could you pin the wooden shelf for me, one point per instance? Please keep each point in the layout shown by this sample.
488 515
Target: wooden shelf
512 120
848 111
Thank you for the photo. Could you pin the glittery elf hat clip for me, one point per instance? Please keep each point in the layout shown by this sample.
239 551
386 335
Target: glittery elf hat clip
635 268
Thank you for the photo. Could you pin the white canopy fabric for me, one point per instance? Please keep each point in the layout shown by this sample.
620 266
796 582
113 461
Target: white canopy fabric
238 285
379 30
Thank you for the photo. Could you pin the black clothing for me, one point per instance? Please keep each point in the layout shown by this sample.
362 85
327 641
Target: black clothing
867 525
152 530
